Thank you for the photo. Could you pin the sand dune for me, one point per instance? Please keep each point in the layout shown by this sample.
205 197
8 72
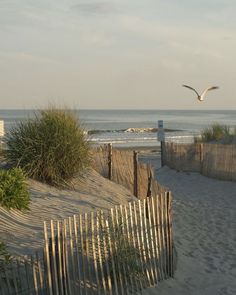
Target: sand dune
23 232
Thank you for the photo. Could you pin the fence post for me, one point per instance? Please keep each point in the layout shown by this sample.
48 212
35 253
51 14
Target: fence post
162 153
201 156
110 161
149 189
135 162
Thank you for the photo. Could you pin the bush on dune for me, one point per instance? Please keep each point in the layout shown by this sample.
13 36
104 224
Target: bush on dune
50 148
217 133
13 189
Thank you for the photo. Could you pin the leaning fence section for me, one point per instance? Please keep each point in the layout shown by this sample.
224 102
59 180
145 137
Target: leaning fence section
219 161
124 168
184 157
213 160
120 251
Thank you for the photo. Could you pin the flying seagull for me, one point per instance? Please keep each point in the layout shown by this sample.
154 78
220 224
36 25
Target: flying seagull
201 97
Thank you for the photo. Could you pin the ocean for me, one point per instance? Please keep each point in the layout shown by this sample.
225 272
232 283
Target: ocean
136 127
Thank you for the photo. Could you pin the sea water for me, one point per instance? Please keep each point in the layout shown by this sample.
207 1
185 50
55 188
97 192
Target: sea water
136 127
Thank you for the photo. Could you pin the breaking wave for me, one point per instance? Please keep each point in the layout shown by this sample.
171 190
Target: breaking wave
128 130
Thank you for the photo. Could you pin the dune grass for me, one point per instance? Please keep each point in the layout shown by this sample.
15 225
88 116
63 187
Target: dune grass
124 254
50 148
218 133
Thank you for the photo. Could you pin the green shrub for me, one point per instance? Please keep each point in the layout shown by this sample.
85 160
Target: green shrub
13 189
51 147
215 132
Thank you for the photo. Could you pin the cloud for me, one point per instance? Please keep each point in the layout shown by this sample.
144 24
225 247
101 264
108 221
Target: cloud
19 56
102 7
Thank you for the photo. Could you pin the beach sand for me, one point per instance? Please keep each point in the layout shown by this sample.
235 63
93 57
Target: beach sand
23 233
204 227
204 224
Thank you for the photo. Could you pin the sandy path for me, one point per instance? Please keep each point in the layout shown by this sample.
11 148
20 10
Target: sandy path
204 234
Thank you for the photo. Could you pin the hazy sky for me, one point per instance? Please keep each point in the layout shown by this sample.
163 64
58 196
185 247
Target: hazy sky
117 53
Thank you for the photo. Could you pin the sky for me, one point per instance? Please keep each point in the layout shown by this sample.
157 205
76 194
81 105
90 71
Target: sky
117 54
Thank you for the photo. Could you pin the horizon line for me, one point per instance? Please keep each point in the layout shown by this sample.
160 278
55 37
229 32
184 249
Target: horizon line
115 109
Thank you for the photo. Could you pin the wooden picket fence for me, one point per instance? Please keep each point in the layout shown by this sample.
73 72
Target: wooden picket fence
121 251
213 160
123 167
185 157
25 275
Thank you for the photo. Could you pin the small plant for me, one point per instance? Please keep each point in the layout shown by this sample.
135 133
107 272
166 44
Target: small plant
50 148
123 254
5 257
13 189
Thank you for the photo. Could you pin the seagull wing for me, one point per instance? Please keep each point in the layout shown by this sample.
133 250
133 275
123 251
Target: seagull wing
208 89
191 89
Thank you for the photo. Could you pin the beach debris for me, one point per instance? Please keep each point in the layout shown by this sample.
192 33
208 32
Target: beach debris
200 97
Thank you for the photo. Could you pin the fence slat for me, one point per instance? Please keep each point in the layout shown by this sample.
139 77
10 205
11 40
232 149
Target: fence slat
100 254
157 241
127 269
77 253
163 238
166 230
134 284
65 259
94 253
105 248
147 239
138 236
83 253
53 260
119 226
143 243
46 247
40 274
135 159
114 228
72 255
36 289
152 243
110 161
171 253
14 275
159 234
87 247
59 257
137 280
112 258
7 278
